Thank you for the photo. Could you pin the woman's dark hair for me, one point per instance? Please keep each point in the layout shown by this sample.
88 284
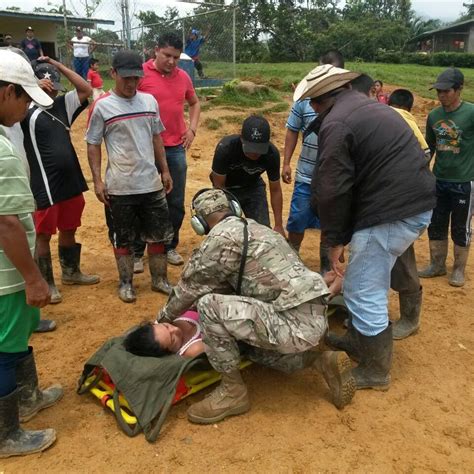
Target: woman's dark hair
401 98
19 91
170 39
379 81
141 342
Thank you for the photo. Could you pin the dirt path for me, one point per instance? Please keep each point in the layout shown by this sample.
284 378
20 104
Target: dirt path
423 423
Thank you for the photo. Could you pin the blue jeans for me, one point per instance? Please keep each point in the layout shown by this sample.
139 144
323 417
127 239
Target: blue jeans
176 159
301 216
373 252
81 66
8 363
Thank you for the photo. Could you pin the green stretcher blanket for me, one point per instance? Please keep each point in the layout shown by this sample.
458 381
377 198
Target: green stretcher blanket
147 383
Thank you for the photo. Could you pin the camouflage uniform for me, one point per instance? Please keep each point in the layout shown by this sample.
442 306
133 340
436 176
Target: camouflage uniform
282 303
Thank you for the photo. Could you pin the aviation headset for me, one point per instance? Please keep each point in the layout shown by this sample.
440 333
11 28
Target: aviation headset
201 227
199 224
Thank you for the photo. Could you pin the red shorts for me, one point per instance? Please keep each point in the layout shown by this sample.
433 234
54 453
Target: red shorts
64 215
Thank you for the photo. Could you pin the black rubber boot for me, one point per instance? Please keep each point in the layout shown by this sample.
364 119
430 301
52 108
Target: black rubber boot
126 291
348 342
45 266
410 309
324 262
460 260
158 264
31 398
13 440
70 259
375 361
438 254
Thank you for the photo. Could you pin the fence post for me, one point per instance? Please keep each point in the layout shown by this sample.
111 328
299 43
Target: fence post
234 49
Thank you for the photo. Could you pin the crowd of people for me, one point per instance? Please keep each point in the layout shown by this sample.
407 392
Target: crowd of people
363 178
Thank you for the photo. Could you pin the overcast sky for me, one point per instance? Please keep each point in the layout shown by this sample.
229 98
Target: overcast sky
447 10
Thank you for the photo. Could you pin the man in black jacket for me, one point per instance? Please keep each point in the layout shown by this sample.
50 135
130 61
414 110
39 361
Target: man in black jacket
374 190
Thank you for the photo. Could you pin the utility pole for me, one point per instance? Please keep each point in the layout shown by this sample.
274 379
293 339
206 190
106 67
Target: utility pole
126 25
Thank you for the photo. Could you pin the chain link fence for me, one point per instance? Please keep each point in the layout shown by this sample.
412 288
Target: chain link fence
217 23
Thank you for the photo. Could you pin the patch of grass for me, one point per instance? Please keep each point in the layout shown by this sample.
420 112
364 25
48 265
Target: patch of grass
232 95
415 77
212 124
235 119
280 107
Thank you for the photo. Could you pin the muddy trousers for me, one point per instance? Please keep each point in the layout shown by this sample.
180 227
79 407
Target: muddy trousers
276 339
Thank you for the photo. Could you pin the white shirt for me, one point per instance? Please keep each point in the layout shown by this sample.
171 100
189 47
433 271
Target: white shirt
81 46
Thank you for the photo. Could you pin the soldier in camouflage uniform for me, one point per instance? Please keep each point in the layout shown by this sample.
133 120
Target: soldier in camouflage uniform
280 312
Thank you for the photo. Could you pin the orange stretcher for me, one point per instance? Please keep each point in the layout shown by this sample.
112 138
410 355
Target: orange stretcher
191 382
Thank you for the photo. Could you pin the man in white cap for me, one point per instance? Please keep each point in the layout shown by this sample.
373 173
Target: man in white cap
22 288
375 191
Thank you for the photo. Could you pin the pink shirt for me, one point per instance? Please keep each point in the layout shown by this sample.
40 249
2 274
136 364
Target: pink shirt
170 92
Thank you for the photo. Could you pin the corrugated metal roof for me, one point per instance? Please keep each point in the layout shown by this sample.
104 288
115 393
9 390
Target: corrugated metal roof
56 17
445 28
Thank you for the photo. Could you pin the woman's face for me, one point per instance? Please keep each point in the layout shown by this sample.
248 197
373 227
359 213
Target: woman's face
168 336
378 87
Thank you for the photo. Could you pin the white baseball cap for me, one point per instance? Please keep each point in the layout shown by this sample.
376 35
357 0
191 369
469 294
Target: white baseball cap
321 80
17 70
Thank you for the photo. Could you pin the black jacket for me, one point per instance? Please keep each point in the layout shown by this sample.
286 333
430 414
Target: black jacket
371 169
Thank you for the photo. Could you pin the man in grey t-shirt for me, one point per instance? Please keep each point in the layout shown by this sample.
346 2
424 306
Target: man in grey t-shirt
133 192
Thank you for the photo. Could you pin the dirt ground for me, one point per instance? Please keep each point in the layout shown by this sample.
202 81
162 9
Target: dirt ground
423 423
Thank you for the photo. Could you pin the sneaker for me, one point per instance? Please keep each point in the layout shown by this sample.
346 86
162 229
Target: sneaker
138 265
174 258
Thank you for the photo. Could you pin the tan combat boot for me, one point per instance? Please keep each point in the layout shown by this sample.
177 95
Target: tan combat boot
229 398
336 368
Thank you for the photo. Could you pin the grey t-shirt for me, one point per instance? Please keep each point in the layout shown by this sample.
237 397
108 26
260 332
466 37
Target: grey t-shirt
127 127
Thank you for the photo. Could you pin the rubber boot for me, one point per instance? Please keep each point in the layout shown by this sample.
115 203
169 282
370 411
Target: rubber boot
126 291
45 266
31 398
70 259
229 398
324 262
158 264
410 309
347 343
438 254
336 368
13 440
375 362
460 259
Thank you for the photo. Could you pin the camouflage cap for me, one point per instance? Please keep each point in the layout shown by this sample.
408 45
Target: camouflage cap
212 200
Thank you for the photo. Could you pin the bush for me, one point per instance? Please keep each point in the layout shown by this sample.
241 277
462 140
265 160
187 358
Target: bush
437 59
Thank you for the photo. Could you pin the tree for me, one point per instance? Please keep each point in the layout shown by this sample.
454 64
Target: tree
154 25
469 13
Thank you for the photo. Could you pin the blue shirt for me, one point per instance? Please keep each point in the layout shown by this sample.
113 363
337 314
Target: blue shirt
192 46
301 115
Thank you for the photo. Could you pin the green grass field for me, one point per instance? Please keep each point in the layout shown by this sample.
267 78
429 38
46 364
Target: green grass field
411 76
280 75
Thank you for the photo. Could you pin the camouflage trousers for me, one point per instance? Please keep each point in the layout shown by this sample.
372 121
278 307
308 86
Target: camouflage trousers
276 339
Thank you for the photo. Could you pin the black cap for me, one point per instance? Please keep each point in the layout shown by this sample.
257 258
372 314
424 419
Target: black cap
255 135
78 28
48 71
448 79
128 63
29 29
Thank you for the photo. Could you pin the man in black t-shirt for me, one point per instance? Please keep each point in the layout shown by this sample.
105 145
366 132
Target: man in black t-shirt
31 46
240 160
57 181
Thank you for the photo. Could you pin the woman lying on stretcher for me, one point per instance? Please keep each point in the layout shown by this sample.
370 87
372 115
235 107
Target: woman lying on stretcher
152 339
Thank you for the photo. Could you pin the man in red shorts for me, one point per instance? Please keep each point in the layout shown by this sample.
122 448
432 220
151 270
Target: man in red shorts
57 181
